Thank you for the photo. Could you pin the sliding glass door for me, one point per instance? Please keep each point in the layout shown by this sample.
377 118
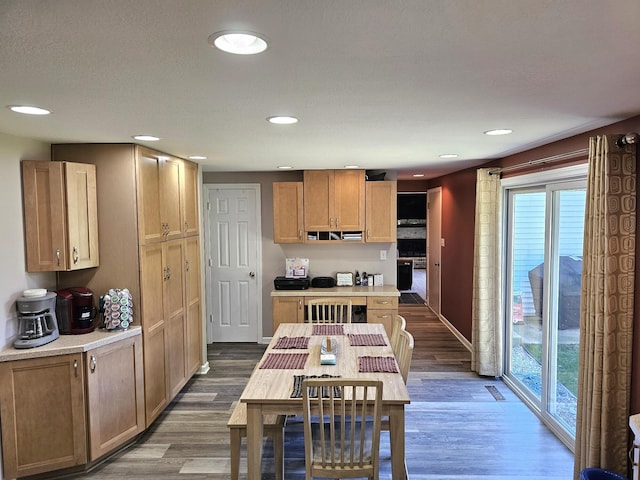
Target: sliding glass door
545 225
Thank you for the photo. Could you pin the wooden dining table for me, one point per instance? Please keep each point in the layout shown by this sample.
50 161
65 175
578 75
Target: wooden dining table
270 387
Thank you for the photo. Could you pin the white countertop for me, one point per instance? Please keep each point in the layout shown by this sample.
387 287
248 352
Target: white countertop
383 291
67 344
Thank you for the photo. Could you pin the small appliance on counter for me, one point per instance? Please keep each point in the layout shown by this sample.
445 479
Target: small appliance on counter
323 282
284 283
75 310
37 324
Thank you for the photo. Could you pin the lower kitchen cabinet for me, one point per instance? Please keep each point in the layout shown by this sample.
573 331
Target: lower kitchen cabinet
65 411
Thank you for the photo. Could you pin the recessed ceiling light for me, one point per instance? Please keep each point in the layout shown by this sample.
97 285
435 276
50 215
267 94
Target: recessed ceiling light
28 109
197 157
418 175
351 166
146 138
282 120
499 131
285 167
240 43
449 155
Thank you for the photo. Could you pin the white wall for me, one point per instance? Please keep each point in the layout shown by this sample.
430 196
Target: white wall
13 277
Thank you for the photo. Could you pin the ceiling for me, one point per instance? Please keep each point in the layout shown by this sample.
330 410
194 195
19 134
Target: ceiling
385 85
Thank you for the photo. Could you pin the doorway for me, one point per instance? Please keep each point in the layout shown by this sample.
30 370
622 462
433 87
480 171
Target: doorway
544 228
234 263
412 246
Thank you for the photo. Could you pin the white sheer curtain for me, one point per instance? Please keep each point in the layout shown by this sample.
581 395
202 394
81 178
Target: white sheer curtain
487 333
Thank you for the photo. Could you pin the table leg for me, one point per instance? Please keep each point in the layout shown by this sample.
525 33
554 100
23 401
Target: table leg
254 440
396 436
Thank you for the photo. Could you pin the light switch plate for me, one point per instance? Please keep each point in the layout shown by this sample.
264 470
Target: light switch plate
383 254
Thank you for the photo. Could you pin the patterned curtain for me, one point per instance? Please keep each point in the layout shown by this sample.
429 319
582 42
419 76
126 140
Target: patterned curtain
487 335
606 310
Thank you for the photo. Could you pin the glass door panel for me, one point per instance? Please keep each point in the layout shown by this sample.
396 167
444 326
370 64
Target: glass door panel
545 227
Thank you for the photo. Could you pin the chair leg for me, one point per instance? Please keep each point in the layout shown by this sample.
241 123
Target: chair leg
236 441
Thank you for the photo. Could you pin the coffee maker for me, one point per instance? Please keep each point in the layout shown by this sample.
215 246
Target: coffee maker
37 324
75 310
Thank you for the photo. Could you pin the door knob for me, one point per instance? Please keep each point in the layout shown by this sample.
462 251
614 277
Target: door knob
252 274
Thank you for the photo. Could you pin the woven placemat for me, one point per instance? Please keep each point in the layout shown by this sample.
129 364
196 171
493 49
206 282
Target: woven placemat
377 364
330 329
292 342
297 386
292 361
366 339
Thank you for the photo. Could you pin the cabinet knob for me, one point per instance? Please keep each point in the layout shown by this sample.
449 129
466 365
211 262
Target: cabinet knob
186 226
76 256
58 256
92 364
75 367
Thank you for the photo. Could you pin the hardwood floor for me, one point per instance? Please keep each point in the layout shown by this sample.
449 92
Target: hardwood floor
458 425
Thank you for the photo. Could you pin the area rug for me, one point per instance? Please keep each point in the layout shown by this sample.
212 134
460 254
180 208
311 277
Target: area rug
411 298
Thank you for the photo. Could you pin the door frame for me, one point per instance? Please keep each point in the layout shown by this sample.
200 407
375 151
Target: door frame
437 247
209 264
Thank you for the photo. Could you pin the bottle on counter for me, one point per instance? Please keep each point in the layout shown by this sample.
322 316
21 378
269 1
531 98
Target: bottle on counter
357 278
363 279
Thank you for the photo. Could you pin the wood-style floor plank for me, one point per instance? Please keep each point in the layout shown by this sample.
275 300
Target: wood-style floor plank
458 425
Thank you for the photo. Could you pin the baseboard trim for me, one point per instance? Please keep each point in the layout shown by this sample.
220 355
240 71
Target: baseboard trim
454 330
204 368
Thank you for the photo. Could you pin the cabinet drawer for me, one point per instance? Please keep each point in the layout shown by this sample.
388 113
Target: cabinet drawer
375 303
385 317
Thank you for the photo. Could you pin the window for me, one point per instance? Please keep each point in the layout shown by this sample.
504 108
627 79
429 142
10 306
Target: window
543 236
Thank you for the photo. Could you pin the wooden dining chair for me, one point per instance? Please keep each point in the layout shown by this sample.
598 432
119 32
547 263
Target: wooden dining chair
329 310
399 323
342 427
405 353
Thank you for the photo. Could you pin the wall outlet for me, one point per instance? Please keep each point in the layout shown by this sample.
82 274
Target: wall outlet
383 254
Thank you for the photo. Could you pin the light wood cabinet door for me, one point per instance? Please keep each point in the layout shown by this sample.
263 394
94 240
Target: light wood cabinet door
60 216
318 202
82 215
150 225
43 415
287 310
159 197
349 200
171 205
382 310
152 279
189 194
193 304
381 211
288 222
334 200
175 315
115 395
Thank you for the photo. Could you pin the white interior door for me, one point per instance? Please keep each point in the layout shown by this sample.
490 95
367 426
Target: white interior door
434 236
234 281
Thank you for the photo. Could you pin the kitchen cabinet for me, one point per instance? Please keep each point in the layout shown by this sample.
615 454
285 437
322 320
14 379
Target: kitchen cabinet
115 395
288 219
289 306
167 195
60 216
334 200
287 310
163 307
155 262
66 411
381 215
381 309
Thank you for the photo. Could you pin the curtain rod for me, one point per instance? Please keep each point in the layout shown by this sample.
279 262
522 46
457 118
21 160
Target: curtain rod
554 158
628 139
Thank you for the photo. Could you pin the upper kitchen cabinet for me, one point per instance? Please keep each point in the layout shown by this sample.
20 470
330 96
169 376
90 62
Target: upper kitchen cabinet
334 200
159 197
287 212
189 198
381 215
60 215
